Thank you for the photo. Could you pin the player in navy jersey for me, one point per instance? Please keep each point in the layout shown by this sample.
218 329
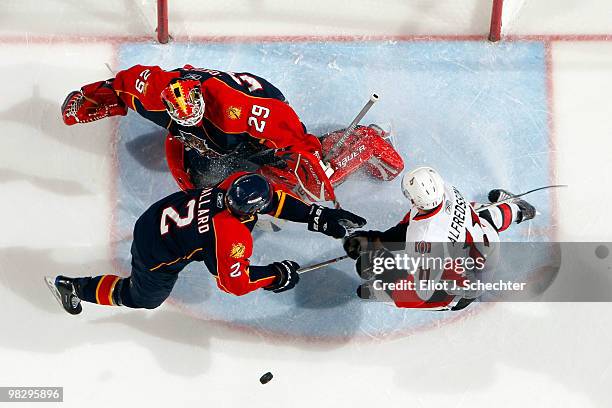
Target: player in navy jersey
211 225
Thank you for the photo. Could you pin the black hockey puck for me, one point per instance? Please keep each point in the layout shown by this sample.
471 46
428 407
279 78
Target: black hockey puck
266 378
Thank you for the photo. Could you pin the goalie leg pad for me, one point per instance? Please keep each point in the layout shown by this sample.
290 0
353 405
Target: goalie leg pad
385 162
302 177
365 148
175 156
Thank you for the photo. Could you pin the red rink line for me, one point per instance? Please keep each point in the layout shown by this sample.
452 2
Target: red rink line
114 233
552 139
41 39
559 37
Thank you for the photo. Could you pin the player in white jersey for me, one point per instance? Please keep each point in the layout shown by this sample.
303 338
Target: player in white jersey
442 225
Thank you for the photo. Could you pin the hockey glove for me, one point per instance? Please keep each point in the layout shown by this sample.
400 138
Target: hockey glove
93 102
365 263
287 276
331 221
358 242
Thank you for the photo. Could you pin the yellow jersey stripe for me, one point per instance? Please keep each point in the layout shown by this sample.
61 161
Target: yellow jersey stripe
281 203
176 260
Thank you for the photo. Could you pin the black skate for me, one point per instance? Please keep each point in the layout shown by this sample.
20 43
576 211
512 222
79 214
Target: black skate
527 211
63 290
499 195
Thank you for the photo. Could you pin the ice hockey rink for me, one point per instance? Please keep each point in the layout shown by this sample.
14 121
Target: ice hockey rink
531 110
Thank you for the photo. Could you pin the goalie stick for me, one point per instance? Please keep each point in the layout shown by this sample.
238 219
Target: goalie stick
373 99
510 199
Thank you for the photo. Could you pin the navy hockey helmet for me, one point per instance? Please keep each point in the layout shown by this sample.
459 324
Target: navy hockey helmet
249 194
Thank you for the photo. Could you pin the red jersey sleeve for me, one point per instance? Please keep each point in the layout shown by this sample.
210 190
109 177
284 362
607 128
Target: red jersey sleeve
233 248
284 129
144 84
406 219
273 122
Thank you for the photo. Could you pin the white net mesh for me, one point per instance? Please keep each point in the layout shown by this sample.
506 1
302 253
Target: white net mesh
511 13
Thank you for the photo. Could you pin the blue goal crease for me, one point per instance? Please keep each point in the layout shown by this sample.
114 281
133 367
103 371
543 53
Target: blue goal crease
476 112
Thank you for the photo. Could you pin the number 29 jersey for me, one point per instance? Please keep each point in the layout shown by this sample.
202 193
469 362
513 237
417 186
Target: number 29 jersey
238 107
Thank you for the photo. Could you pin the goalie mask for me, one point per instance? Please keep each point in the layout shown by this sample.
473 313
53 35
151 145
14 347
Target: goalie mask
183 101
424 187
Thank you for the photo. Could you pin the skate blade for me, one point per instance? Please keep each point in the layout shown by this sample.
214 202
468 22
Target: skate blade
51 285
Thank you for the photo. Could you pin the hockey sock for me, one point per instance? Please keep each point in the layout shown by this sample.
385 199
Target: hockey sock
100 289
500 216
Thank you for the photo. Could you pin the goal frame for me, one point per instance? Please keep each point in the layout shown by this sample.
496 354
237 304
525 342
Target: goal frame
496 20
163 35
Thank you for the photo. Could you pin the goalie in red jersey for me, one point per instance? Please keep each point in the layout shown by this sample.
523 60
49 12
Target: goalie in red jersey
221 122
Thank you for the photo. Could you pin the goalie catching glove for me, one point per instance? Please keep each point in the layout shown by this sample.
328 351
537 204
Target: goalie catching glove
93 102
333 222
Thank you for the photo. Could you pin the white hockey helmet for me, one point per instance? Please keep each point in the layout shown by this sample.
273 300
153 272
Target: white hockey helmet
424 187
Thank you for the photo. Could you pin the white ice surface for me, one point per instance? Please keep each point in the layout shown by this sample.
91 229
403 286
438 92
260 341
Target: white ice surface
55 185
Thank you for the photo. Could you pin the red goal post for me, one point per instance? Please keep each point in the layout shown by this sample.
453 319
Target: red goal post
496 20
162 21
163 35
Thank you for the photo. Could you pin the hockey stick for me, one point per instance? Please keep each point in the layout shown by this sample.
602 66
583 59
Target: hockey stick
373 99
321 264
510 199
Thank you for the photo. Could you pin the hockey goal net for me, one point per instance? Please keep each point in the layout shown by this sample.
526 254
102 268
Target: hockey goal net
502 13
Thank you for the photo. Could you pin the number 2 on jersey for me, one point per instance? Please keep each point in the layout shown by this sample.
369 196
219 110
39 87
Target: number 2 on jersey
170 214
